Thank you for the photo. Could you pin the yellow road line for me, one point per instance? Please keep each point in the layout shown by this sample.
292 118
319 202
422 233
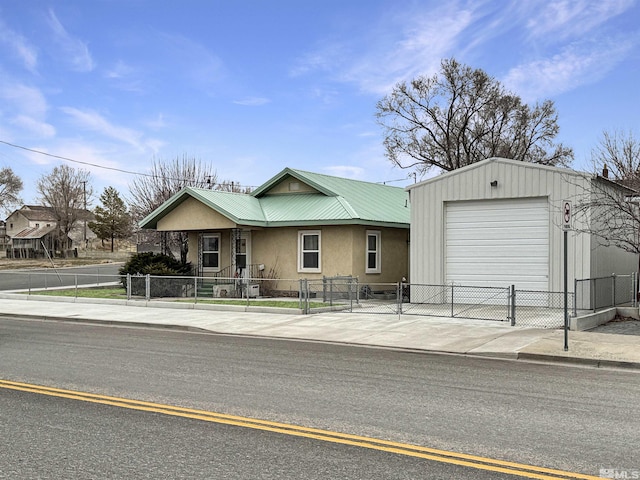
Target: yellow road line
426 453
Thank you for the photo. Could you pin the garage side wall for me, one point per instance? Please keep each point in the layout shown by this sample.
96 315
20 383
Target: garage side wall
606 260
513 180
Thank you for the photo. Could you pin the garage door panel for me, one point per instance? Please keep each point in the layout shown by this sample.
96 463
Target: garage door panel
532 270
498 243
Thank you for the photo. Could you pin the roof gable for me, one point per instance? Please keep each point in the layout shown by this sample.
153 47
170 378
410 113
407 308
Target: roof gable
323 199
492 161
285 176
35 213
488 163
240 208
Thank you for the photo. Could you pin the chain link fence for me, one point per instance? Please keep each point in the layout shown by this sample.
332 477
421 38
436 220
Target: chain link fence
593 294
505 304
484 303
344 293
541 309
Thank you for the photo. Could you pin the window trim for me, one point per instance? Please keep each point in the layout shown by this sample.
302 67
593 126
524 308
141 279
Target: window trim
211 235
301 251
378 251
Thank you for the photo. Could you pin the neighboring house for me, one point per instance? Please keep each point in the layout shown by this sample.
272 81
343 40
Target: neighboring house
4 239
32 229
296 225
499 223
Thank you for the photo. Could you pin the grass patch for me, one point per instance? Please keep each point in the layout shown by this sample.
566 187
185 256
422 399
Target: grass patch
120 293
84 292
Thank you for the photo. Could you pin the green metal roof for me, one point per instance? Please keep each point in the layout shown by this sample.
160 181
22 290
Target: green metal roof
339 201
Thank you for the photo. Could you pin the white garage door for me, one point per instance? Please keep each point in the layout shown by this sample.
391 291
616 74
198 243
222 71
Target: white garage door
498 243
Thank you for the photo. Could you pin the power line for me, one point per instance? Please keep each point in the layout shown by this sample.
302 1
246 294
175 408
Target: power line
39 152
150 175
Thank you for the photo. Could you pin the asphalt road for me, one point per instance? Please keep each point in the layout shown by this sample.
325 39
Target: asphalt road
55 278
568 418
49 438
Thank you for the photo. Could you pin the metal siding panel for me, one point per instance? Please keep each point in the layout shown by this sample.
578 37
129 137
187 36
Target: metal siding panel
515 180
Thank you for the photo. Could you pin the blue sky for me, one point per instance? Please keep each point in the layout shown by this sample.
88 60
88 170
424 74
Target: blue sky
253 86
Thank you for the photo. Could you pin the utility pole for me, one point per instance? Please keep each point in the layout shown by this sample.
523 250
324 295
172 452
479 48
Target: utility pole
84 192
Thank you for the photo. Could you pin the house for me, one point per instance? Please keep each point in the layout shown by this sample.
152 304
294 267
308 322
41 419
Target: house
4 238
500 222
296 225
33 231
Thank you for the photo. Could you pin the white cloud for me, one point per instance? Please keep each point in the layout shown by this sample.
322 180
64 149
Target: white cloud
157 123
125 77
74 51
401 46
569 69
19 46
567 18
155 145
39 128
25 109
90 154
95 122
119 70
24 99
252 101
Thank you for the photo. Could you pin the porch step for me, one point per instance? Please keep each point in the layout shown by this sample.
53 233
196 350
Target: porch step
206 289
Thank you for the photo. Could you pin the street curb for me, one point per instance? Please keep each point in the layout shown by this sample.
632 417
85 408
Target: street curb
588 362
126 323
519 356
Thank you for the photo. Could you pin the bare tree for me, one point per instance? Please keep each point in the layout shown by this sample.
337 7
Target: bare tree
10 186
65 190
230 186
461 116
618 154
613 204
166 178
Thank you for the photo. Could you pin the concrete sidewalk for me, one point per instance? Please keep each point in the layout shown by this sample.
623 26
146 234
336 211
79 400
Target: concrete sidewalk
408 332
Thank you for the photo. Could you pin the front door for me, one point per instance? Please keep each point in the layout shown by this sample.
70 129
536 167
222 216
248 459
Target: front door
242 253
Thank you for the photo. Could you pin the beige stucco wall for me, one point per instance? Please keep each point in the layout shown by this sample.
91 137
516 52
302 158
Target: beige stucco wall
192 215
342 253
225 248
394 255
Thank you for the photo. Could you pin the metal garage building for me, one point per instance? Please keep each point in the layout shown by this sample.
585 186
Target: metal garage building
498 223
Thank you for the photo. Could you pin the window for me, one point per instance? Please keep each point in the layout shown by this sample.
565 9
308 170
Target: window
309 251
373 252
211 251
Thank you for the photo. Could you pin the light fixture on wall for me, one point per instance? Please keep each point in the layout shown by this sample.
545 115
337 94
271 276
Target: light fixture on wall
494 183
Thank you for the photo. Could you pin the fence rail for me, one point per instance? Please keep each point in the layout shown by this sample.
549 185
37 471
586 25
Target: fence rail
605 292
504 304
